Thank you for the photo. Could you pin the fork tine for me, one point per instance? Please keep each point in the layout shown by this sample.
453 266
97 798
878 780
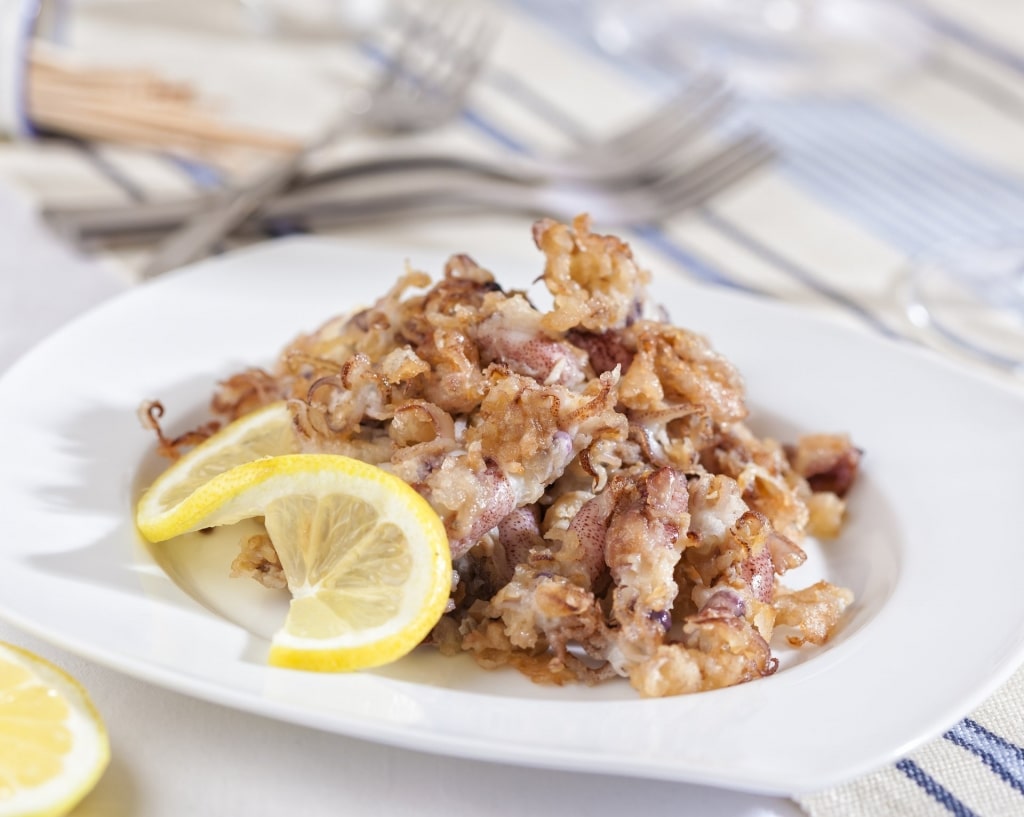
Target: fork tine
411 29
452 36
660 143
463 64
646 148
717 172
703 90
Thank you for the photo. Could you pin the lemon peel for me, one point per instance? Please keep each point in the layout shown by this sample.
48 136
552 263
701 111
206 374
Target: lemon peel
267 431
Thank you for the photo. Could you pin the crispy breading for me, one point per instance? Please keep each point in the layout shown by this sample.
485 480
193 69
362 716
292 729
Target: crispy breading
608 509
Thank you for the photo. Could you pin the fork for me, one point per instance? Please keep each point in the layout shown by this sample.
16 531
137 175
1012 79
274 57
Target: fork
382 195
642 153
423 86
410 194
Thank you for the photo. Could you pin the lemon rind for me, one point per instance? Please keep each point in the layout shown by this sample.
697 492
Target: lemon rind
150 504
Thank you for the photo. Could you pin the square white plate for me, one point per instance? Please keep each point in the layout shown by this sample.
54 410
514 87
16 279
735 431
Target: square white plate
930 548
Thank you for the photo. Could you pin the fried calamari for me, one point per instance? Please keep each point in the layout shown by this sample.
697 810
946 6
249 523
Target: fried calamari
610 512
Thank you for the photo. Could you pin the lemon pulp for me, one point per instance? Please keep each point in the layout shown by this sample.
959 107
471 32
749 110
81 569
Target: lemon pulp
53 744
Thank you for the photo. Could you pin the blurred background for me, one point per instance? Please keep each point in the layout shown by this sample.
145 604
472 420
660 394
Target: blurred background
859 154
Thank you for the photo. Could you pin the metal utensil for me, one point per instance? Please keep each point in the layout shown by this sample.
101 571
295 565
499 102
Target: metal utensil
384 194
424 85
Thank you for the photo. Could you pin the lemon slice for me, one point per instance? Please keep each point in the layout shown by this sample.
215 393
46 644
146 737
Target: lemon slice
53 745
266 432
365 556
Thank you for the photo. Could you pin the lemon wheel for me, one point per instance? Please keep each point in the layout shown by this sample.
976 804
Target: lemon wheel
53 744
366 558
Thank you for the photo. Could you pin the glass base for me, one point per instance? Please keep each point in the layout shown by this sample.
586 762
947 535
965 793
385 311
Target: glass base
972 296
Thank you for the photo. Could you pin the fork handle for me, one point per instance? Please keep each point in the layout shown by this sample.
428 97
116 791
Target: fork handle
204 230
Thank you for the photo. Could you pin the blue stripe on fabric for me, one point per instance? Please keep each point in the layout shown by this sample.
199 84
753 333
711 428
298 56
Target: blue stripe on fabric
697 265
804 276
280 228
1004 758
492 131
965 36
934 789
898 182
202 175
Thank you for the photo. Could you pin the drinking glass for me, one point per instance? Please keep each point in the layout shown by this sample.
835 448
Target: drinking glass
765 46
970 294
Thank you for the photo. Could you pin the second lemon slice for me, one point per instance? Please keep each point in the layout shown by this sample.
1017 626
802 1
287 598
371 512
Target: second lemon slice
365 556
268 431
53 744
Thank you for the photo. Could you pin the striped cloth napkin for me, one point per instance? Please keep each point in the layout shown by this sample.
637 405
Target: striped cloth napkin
976 768
884 175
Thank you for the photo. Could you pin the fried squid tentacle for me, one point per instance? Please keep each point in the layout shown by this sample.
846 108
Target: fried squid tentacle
149 414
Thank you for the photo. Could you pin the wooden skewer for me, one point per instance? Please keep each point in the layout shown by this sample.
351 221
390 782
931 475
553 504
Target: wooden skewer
172 128
48 64
130 107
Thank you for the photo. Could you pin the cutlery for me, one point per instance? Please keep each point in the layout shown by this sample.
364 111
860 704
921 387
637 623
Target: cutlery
363 195
423 86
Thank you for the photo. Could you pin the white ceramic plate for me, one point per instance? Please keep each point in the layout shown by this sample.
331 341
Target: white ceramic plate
928 550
